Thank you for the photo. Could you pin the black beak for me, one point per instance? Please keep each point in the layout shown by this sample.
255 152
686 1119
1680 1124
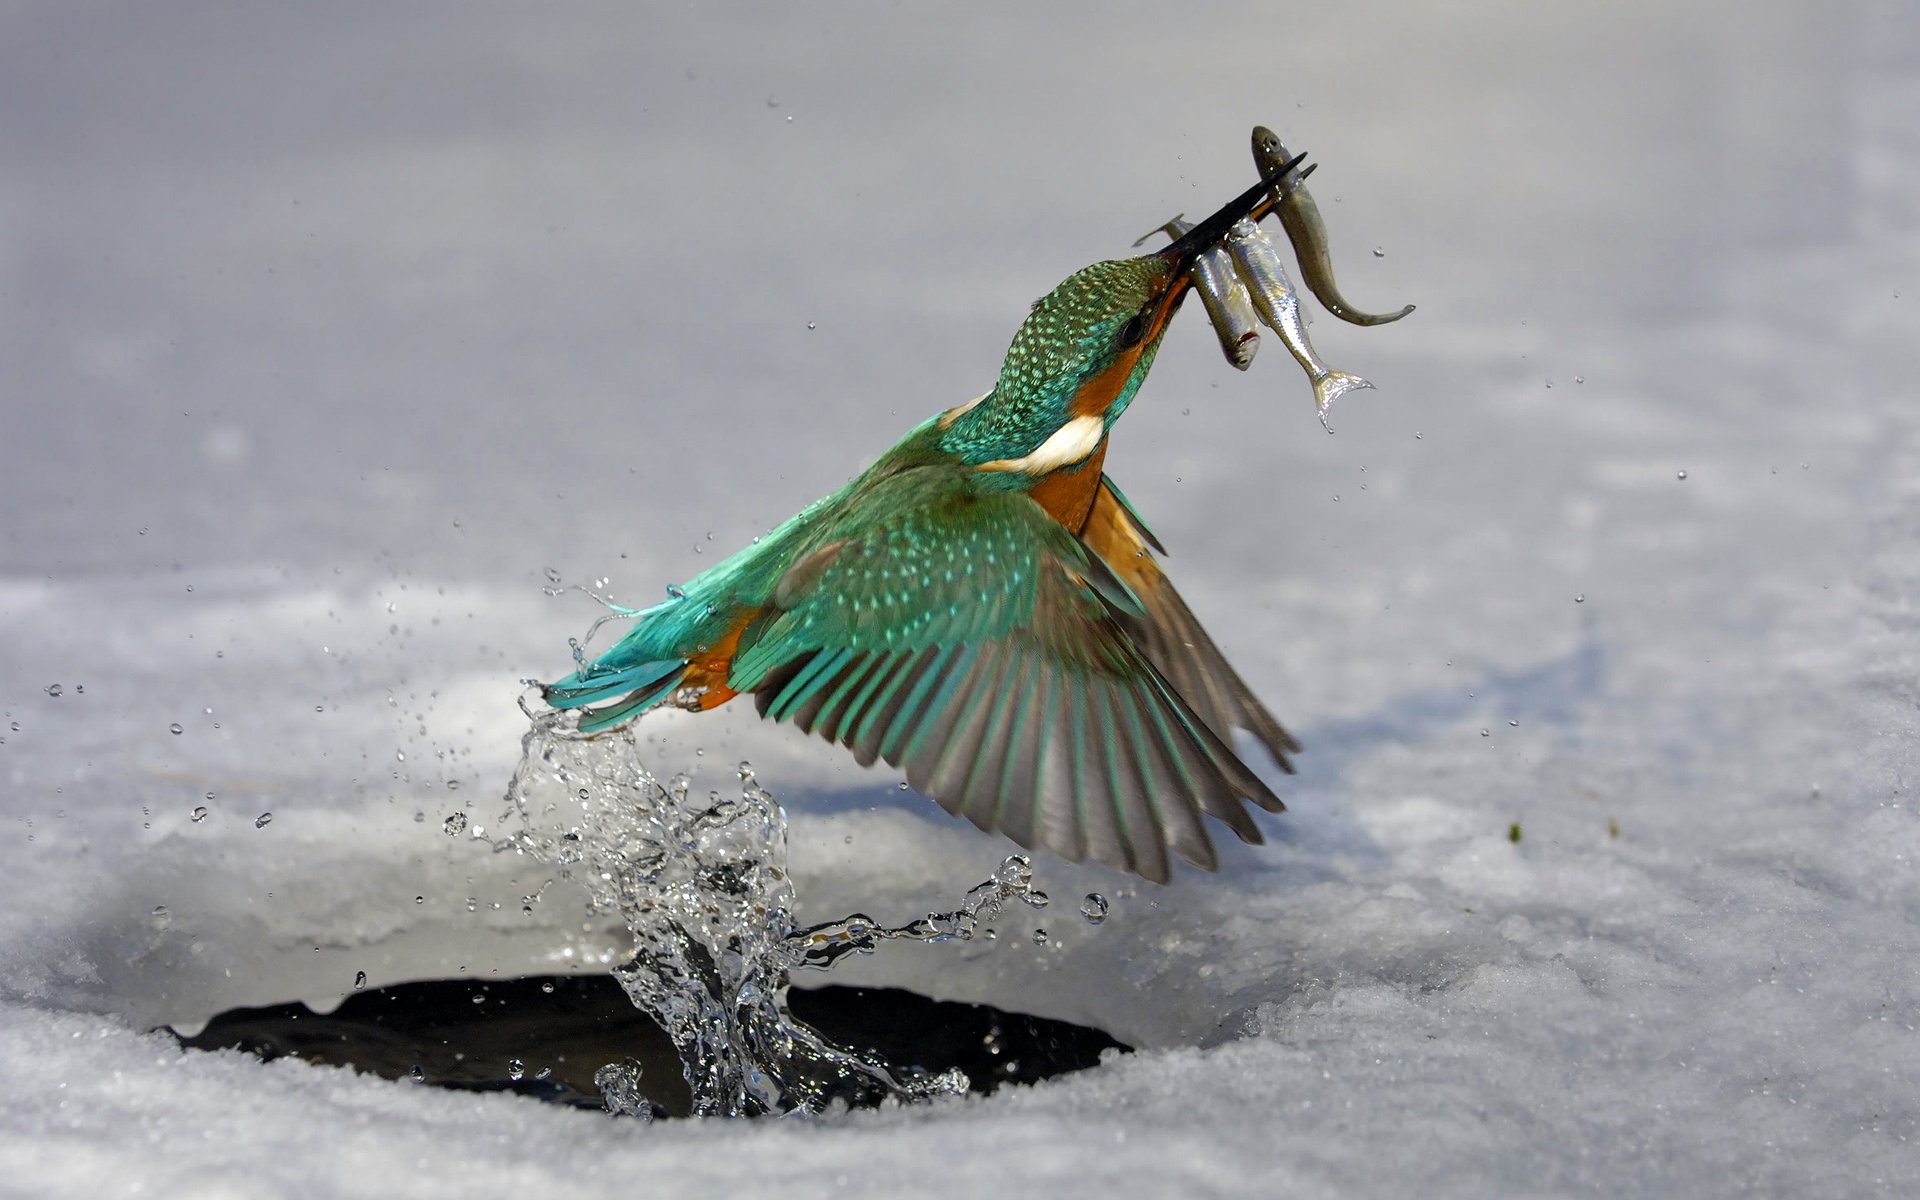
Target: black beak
1252 204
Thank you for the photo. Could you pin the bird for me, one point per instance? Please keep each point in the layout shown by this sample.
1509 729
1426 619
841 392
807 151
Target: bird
983 609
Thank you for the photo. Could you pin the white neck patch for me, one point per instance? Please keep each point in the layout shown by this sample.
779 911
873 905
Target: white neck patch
1070 444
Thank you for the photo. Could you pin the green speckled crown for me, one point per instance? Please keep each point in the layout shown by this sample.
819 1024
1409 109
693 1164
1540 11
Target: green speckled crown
1069 337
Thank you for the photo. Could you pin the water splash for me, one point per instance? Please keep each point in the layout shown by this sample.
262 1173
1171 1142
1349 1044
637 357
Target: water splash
702 886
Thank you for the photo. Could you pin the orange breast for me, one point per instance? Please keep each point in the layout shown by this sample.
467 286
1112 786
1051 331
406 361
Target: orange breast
1067 494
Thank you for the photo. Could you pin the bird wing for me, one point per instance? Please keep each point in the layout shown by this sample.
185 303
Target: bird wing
969 639
1170 635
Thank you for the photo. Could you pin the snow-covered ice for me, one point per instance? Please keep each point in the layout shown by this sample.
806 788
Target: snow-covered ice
331 333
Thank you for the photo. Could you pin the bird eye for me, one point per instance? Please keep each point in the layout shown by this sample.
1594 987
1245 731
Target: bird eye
1133 331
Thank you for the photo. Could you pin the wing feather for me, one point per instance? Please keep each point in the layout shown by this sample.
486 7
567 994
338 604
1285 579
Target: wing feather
968 639
1171 637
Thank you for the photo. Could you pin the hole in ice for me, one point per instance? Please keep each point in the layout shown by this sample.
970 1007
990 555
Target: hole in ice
550 1037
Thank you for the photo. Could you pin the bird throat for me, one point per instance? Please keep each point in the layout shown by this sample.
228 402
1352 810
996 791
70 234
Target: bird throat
1068 493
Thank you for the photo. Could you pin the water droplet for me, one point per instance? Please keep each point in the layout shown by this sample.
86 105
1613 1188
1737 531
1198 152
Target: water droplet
1579 378
1579 597
516 1070
419 899
453 785
415 1074
902 785
1379 253
676 592
553 576
547 988
1094 908
199 813
1040 937
359 980
455 824
811 325
263 820
1515 724
161 917
620 1093
1486 733
1680 475
54 690
1416 435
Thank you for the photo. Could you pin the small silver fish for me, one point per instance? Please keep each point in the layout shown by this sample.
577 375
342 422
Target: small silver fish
1300 217
1225 297
1257 260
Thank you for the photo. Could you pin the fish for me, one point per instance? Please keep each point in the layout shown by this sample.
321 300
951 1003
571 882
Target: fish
1300 217
1225 297
1257 260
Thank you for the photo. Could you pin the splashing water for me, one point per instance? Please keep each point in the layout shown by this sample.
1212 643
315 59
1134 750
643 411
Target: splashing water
702 886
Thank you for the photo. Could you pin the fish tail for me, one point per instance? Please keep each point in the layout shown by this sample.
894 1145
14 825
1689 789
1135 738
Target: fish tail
1332 386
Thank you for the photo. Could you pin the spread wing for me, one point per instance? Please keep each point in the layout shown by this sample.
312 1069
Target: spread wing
1170 635
970 640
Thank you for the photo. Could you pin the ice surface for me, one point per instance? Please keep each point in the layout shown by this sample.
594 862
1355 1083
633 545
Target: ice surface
329 334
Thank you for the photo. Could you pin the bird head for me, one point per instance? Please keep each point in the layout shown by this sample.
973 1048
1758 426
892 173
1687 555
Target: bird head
1087 345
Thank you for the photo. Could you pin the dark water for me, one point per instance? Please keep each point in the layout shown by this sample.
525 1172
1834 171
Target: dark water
560 1030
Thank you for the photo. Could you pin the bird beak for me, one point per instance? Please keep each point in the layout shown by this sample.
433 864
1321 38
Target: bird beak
1252 204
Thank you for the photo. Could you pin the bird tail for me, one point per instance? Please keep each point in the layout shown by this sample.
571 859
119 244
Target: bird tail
1332 386
632 689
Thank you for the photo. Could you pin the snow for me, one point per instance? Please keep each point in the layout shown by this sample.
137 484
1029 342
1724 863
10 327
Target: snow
330 335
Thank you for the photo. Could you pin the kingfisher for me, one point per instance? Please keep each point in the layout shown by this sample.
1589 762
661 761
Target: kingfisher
982 608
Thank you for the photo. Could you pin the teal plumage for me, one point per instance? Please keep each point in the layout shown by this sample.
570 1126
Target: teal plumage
981 609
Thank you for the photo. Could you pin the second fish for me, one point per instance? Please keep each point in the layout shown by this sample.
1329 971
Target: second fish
1257 260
